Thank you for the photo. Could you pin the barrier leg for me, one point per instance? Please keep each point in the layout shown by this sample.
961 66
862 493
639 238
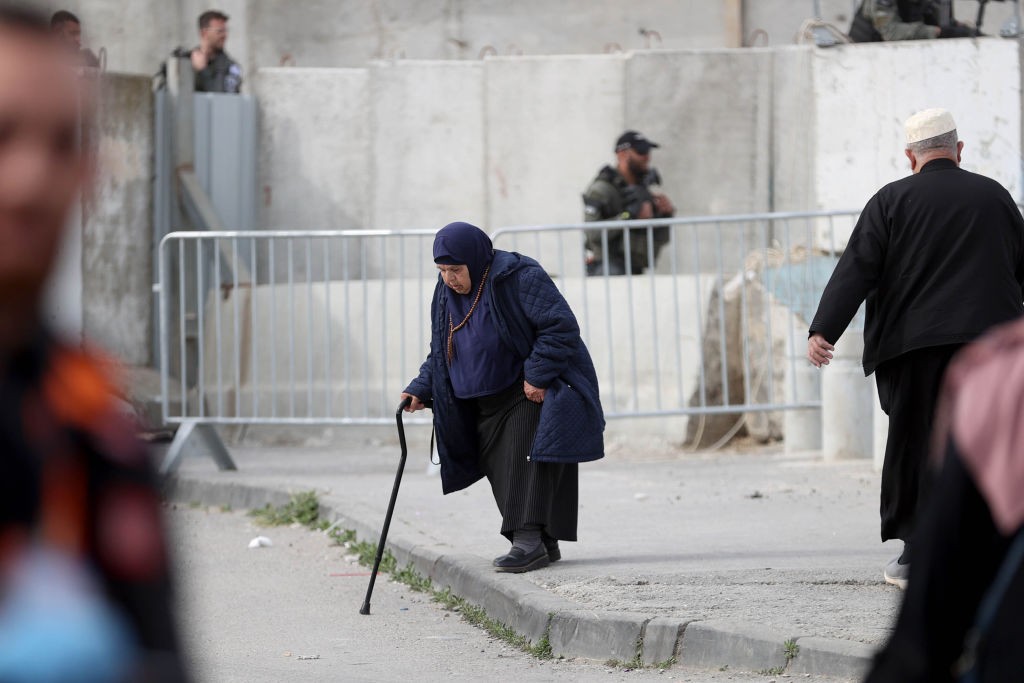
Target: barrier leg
846 405
196 438
802 428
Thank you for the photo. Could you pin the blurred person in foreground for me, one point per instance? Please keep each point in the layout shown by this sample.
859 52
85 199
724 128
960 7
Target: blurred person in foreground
961 617
215 70
84 582
624 193
513 391
938 257
68 30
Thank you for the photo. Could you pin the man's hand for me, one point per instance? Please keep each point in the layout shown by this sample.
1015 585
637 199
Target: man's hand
199 59
663 206
535 394
415 405
819 351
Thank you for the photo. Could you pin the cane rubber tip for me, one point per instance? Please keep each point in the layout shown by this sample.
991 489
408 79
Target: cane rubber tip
365 609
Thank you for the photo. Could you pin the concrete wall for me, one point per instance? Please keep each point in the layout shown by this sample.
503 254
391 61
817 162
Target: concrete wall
515 140
551 124
427 140
116 228
319 33
351 33
864 92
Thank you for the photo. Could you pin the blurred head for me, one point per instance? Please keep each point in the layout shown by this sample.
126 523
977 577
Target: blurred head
462 252
42 165
633 152
213 29
67 28
931 134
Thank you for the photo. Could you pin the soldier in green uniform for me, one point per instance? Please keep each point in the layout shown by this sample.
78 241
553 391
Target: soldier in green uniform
623 192
907 20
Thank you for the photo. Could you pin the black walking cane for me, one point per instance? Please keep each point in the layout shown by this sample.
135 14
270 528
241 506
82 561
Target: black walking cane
365 609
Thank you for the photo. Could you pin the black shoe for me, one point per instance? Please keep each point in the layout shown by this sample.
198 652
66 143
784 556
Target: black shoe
518 561
554 554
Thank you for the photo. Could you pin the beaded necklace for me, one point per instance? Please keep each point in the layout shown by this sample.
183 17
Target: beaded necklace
452 328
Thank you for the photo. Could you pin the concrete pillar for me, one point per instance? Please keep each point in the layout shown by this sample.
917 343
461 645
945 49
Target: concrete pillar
801 429
846 404
881 429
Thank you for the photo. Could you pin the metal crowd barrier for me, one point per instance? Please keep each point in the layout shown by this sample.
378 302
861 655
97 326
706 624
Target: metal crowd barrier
327 327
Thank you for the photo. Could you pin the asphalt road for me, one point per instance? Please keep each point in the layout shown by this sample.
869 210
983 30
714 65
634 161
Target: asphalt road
290 612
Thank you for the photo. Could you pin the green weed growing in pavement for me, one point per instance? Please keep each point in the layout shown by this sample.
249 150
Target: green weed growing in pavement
542 650
342 536
790 650
303 508
774 671
413 579
667 664
473 615
366 553
638 662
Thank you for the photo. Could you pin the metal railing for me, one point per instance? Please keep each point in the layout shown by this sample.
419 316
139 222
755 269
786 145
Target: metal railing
701 326
299 331
327 327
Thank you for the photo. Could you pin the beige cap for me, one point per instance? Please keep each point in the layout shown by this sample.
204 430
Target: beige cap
927 124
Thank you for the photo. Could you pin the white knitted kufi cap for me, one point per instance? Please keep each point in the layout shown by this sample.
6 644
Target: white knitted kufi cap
928 124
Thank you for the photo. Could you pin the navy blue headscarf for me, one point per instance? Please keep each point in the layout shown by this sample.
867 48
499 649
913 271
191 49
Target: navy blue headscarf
462 244
482 363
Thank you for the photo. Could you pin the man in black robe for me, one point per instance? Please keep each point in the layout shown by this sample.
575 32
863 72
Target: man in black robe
939 259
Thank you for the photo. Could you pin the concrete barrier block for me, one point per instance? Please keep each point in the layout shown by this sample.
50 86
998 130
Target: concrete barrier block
713 643
846 406
596 635
827 656
661 639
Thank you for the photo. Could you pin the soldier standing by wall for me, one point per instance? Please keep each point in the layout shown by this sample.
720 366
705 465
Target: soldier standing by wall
623 193
215 70
907 20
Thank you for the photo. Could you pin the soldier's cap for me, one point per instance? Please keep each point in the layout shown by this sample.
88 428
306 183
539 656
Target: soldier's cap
928 123
635 141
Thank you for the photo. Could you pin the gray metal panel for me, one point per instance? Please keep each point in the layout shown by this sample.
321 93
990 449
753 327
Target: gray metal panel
203 106
163 192
226 156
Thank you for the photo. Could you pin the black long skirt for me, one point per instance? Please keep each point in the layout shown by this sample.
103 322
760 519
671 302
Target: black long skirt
528 493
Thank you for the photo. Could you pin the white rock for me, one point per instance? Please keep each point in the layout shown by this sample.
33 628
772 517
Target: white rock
260 542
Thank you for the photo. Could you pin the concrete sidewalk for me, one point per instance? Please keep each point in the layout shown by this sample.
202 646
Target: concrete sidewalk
712 560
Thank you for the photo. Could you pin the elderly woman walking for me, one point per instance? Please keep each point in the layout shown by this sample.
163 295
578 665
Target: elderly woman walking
513 390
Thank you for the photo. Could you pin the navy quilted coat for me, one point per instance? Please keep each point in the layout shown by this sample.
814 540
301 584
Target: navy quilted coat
535 320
